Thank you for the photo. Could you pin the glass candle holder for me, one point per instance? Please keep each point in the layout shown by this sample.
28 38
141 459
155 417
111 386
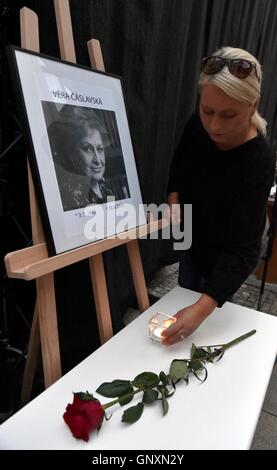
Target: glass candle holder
157 324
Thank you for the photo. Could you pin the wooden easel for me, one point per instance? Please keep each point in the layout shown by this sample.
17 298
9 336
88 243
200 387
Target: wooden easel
34 262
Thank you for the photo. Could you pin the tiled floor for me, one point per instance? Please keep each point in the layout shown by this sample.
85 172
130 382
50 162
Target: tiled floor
266 433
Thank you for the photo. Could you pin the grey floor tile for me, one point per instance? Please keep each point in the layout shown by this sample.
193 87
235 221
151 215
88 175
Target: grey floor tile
270 402
265 437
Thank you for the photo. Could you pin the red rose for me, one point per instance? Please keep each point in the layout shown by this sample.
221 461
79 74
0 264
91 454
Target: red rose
84 415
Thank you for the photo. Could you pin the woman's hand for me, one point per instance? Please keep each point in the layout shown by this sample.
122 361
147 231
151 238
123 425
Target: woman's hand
188 320
174 209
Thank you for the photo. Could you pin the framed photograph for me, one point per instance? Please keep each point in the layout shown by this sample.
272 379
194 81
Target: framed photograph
80 149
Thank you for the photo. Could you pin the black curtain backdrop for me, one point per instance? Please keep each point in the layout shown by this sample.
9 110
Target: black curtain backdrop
156 46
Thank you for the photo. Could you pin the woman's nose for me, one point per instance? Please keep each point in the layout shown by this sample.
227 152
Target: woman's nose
96 157
215 124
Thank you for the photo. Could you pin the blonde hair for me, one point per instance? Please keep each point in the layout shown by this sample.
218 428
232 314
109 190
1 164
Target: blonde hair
247 90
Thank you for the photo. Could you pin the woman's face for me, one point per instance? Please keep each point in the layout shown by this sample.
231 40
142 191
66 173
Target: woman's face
90 155
226 120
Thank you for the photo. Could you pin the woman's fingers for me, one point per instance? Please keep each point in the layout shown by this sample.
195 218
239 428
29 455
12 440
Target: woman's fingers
173 338
174 213
173 334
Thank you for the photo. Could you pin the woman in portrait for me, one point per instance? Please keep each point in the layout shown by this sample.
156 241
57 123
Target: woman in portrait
78 139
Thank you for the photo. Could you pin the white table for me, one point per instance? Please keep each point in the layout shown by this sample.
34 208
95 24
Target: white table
221 413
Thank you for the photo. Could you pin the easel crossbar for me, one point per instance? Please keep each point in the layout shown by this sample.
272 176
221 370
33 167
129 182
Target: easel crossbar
33 262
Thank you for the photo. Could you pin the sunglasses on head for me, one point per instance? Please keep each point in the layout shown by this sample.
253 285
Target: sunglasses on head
240 68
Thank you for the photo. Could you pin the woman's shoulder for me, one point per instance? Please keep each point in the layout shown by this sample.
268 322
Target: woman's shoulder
261 152
264 147
260 159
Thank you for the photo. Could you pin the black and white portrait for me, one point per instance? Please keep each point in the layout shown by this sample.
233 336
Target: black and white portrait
80 147
87 154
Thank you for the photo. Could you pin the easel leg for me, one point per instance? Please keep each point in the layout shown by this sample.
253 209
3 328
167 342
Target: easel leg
31 361
48 327
101 300
138 275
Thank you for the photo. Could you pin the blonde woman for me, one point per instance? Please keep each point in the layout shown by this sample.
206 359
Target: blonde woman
223 166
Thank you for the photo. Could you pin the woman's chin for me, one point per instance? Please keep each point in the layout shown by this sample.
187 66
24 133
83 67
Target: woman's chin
218 137
97 177
220 140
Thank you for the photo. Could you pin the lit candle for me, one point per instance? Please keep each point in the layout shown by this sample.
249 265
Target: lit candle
158 332
167 323
157 324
